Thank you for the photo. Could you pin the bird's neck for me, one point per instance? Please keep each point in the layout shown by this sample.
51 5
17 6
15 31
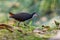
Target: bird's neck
33 14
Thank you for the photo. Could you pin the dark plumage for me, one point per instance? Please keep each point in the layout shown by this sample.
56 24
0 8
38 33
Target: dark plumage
21 16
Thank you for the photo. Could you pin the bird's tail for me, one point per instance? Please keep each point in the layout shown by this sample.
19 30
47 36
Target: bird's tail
11 14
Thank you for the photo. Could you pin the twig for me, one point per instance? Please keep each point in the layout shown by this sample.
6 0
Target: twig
10 28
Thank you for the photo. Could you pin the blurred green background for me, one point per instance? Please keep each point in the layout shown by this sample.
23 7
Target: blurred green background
30 6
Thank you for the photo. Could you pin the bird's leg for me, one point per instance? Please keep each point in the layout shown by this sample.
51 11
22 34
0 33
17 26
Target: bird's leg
25 24
28 22
18 24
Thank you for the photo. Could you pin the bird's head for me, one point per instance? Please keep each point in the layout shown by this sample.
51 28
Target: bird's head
34 14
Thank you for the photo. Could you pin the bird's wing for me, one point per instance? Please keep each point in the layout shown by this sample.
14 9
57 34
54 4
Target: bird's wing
23 16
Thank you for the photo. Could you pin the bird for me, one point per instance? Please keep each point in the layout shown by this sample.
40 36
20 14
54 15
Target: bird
21 17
